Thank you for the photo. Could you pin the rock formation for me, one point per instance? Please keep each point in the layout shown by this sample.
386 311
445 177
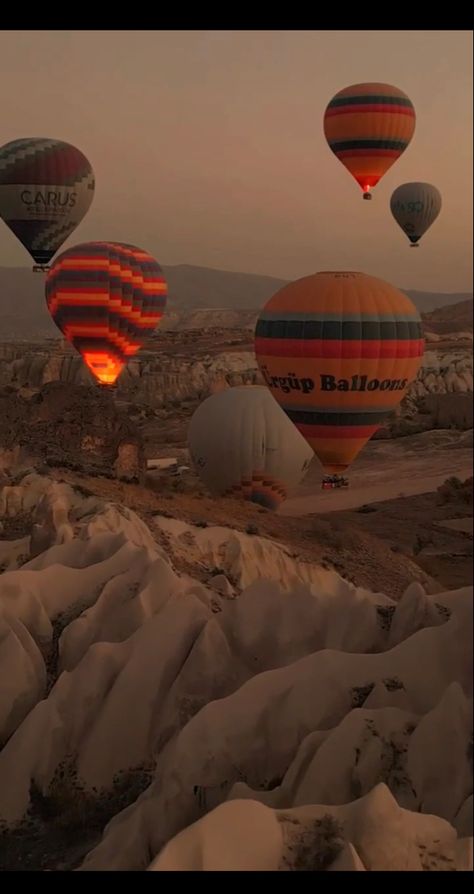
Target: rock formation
74 426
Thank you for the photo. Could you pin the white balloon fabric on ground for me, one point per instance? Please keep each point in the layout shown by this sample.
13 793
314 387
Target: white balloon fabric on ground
242 444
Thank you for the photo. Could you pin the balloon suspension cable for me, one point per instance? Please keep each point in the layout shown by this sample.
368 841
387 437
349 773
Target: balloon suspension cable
41 268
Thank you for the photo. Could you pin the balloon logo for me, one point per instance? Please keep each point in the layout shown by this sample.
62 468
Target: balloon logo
244 446
46 188
106 298
415 207
338 352
368 126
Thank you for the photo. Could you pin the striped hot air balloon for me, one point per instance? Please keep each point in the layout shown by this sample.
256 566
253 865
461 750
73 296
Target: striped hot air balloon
243 446
338 352
106 298
46 188
368 126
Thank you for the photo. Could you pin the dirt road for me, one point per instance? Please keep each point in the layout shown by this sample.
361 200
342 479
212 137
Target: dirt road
386 470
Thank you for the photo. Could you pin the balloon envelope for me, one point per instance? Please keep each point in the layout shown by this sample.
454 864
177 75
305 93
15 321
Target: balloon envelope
338 351
415 206
106 298
243 445
46 188
368 126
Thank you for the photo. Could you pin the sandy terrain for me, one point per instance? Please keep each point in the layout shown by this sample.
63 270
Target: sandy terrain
397 540
386 470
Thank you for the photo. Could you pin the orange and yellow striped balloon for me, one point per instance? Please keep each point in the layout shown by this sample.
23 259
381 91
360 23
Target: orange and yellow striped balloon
106 298
368 126
338 352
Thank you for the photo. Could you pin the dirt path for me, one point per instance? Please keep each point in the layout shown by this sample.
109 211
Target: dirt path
387 470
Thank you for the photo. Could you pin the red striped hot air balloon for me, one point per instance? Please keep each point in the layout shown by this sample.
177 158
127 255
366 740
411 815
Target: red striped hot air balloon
106 298
338 352
368 126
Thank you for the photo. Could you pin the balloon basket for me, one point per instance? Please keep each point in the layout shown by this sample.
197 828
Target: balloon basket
367 196
40 268
103 386
415 245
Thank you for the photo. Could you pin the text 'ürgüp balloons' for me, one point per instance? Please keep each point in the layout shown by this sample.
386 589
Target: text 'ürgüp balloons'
338 352
242 445
106 298
368 126
415 206
46 188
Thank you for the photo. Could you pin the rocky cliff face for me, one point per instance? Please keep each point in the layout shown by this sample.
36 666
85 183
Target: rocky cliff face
154 379
168 378
72 426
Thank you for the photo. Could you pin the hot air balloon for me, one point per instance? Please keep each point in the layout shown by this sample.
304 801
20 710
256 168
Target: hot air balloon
415 206
106 298
368 126
338 352
242 445
46 188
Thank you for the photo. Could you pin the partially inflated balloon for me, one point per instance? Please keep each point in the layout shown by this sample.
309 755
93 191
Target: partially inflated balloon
415 206
242 445
106 298
46 188
368 126
338 352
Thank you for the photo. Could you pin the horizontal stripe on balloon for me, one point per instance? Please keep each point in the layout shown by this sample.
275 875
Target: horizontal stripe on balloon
341 417
348 432
282 347
123 330
115 337
370 108
79 285
342 330
105 265
79 273
336 317
367 154
56 169
330 411
142 304
87 345
344 145
99 310
109 252
373 98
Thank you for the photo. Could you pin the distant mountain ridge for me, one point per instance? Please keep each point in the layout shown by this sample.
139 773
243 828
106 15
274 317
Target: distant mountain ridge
23 312
456 317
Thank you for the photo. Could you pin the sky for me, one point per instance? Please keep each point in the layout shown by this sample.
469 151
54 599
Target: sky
208 146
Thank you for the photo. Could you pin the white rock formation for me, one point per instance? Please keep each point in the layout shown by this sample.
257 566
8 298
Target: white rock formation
250 699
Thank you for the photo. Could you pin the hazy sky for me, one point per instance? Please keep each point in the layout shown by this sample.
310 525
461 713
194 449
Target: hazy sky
208 146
